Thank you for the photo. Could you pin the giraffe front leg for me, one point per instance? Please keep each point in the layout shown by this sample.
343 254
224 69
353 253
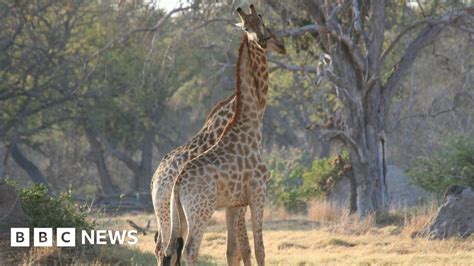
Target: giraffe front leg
244 246
232 243
256 209
237 239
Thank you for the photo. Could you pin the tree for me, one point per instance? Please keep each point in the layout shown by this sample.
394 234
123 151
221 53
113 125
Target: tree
90 64
38 71
363 73
138 76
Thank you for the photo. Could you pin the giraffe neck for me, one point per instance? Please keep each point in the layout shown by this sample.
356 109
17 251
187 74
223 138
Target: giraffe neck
247 89
258 59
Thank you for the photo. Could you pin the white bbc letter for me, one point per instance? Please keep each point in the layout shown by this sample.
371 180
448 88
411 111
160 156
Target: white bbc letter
90 238
66 237
43 237
132 235
101 237
20 237
117 236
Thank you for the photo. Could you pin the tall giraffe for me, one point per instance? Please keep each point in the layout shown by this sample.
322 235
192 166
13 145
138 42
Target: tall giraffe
173 162
230 174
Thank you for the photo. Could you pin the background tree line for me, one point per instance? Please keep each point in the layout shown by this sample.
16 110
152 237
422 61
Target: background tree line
94 93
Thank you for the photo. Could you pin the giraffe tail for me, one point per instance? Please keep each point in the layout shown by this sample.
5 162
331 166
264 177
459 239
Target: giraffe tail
178 226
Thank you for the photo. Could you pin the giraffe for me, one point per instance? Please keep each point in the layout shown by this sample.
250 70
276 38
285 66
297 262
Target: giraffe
231 174
172 163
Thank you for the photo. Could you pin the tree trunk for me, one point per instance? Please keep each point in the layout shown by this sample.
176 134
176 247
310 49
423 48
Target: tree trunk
369 172
30 168
106 183
353 193
143 176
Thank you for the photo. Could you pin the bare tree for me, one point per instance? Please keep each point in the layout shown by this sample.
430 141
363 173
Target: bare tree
352 35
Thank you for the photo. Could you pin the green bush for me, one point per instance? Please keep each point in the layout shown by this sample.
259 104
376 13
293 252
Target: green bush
48 211
321 178
451 164
286 180
292 183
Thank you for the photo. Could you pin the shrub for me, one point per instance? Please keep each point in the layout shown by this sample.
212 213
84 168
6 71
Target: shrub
286 180
321 178
451 164
48 211
292 183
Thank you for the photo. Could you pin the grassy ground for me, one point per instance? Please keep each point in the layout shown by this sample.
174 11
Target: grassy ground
323 237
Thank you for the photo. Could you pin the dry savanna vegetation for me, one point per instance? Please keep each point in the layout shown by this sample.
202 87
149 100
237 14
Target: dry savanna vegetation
327 235
370 109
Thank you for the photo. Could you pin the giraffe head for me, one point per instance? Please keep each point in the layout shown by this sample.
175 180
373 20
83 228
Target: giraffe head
256 30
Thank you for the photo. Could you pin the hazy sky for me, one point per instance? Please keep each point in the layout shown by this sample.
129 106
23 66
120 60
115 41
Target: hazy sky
168 4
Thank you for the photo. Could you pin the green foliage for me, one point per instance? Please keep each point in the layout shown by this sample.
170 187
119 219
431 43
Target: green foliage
285 182
451 164
292 183
321 177
49 211
12 182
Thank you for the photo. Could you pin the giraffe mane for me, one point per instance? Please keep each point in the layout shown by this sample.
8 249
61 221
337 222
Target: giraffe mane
238 93
219 105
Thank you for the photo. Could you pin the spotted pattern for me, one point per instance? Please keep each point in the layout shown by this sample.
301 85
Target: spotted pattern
232 173
173 162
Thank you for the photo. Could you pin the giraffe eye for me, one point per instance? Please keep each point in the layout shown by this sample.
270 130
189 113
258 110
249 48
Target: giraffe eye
246 29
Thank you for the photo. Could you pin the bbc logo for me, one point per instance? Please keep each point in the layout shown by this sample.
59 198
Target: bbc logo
66 237
43 237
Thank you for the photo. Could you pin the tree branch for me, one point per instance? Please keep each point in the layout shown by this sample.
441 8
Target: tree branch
425 115
400 35
30 168
120 155
344 137
308 69
339 37
377 27
356 16
156 28
424 38
301 31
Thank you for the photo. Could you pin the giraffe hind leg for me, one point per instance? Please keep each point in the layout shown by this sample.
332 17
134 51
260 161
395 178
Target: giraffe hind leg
198 214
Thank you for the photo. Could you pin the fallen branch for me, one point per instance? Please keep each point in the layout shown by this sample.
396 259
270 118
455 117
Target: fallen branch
140 229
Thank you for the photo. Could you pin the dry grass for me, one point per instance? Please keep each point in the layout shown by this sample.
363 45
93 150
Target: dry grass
324 211
325 236
319 246
417 219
